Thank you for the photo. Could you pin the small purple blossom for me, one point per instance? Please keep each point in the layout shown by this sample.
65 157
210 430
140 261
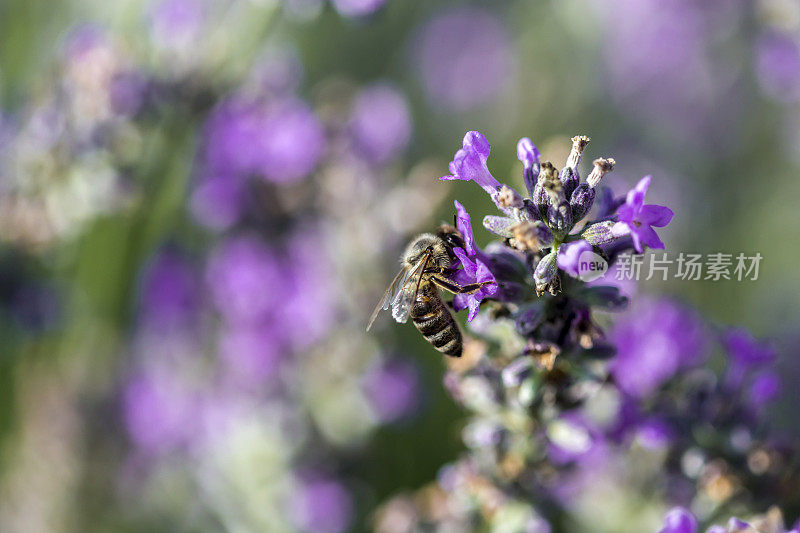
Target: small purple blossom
765 388
529 156
569 255
745 353
380 122
465 58
169 292
469 163
474 268
393 389
357 8
636 219
322 505
679 520
657 338
218 202
281 141
778 67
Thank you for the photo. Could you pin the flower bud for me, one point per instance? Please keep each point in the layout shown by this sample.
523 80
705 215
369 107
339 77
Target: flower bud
579 143
529 155
546 275
581 201
508 198
570 179
547 175
500 226
599 233
529 319
559 218
531 236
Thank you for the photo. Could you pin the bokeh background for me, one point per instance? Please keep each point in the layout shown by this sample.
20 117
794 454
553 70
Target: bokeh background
201 201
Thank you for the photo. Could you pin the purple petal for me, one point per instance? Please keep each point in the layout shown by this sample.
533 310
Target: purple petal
620 229
656 215
477 142
569 256
527 152
466 262
648 236
465 227
679 520
635 197
474 305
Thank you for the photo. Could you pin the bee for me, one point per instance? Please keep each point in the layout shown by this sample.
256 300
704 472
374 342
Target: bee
414 292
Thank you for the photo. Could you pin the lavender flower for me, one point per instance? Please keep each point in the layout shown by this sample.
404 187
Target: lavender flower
679 520
569 256
778 67
636 219
469 163
474 268
380 122
658 339
357 8
393 389
464 57
218 202
322 505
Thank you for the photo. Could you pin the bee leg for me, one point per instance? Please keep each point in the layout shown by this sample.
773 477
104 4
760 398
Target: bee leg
455 288
435 270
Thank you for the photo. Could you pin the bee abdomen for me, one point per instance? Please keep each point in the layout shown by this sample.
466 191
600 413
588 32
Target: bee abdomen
440 329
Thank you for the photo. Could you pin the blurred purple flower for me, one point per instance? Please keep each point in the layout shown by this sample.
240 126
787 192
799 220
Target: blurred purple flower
245 280
465 58
654 433
569 256
159 411
655 339
357 8
745 353
765 388
393 389
636 218
281 141
176 23
169 292
474 268
218 202
380 122
679 520
322 505
778 67
469 163
252 354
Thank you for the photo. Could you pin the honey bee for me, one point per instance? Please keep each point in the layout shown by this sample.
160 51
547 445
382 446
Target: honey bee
414 292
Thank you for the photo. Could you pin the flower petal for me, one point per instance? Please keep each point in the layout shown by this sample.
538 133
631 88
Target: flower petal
635 197
477 142
466 262
527 152
648 236
620 229
464 225
656 215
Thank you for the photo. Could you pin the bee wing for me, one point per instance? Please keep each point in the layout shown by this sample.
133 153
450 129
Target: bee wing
391 293
404 300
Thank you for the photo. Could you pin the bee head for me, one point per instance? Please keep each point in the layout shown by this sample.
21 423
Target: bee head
451 238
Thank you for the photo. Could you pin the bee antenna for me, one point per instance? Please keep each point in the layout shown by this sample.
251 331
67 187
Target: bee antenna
455 220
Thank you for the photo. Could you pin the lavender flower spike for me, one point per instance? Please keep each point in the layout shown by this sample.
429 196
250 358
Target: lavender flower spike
469 163
529 155
637 219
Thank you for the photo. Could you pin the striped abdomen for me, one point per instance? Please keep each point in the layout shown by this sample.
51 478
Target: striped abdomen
434 321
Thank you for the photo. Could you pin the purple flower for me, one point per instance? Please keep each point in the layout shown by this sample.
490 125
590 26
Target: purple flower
654 341
745 354
393 389
464 57
474 268
529 156
252 354
778 67
357 8
218 202
158 410
281 141
679 520
176 23
636 218
322 505
764 389
469 163
169 292
245 279
380 122
569 256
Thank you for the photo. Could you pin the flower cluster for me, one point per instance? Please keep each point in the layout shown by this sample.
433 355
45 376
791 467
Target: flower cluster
557 407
